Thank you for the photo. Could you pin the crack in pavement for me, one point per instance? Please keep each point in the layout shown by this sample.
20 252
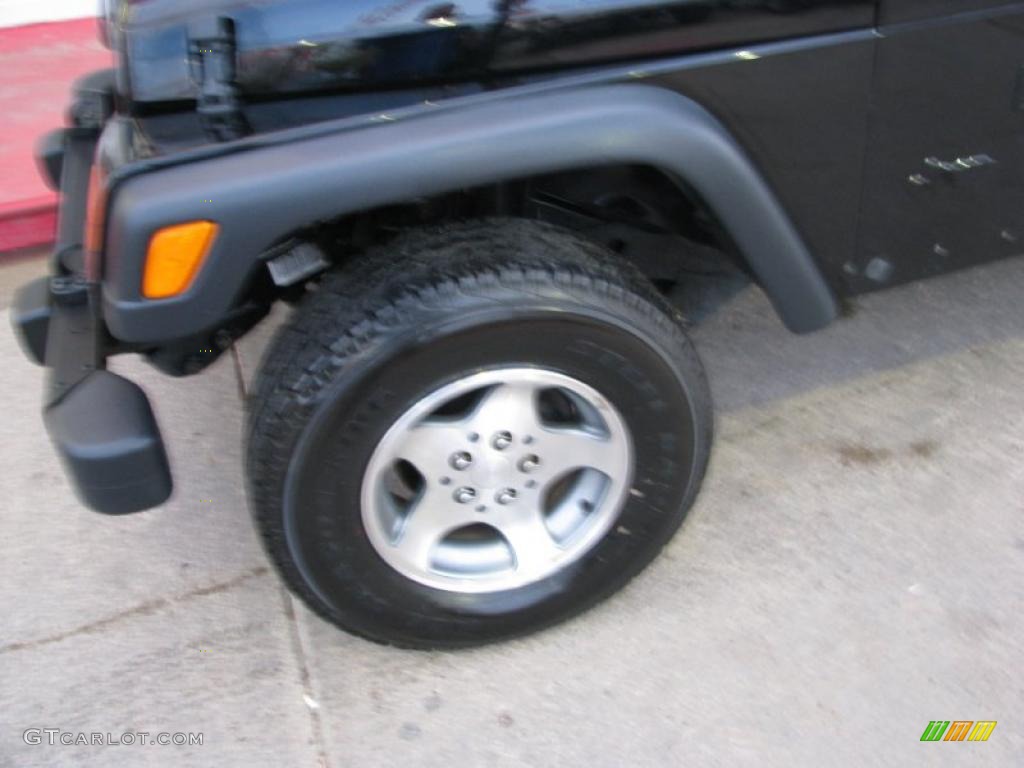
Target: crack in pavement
316 725
144 609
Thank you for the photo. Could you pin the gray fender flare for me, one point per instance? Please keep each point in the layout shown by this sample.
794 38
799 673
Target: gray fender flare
261 195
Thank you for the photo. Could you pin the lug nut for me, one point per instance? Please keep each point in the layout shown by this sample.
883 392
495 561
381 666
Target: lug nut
464 495
506 496
502 440
460 460
529 463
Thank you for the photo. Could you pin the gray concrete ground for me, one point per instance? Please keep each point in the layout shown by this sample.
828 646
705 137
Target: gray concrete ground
853 569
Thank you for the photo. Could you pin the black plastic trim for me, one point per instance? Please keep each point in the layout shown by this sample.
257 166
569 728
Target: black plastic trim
93 102
108 440
101 425
76 167
30 318
261 196
50 157
74 346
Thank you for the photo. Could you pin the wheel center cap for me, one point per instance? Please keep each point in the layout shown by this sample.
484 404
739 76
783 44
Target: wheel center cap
491 472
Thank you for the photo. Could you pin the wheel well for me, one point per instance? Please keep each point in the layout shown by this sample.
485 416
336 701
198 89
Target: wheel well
638 211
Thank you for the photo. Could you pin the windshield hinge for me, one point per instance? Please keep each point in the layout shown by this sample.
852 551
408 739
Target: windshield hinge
212 53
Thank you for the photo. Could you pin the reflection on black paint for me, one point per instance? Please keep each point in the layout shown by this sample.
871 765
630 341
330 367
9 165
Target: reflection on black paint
311 45
545 33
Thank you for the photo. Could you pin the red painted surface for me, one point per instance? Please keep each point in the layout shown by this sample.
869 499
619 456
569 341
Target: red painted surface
38 62
27 224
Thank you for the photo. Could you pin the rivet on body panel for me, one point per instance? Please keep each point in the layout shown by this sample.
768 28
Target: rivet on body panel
879 270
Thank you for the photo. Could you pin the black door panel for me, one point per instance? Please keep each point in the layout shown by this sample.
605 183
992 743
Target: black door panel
944 186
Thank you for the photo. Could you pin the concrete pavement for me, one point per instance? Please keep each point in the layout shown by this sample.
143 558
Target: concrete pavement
853 570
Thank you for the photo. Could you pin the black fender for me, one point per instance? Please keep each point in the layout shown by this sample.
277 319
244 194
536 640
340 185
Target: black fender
261 195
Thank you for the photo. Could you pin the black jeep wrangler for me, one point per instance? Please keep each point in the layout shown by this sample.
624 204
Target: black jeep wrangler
484 414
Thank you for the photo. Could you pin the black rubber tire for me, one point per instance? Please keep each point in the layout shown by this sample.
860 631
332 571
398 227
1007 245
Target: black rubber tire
429 308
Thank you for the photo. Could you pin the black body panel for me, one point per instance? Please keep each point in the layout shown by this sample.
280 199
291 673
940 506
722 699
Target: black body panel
545 35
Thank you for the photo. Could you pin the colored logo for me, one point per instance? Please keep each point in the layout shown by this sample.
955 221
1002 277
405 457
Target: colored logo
958 730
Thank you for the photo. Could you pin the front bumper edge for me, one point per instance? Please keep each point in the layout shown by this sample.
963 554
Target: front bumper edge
101 424
109 442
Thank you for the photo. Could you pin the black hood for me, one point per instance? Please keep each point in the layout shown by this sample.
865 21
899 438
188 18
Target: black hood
296 46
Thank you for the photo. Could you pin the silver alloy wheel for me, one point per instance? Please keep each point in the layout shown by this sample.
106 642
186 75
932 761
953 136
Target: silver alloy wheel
497 480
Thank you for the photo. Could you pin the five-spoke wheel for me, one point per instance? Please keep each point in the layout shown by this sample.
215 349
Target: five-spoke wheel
497 480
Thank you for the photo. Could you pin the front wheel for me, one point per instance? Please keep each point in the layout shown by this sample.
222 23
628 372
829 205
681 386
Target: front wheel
482 430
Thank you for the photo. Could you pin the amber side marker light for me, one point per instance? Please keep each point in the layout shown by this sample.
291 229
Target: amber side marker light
97 206
175 256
